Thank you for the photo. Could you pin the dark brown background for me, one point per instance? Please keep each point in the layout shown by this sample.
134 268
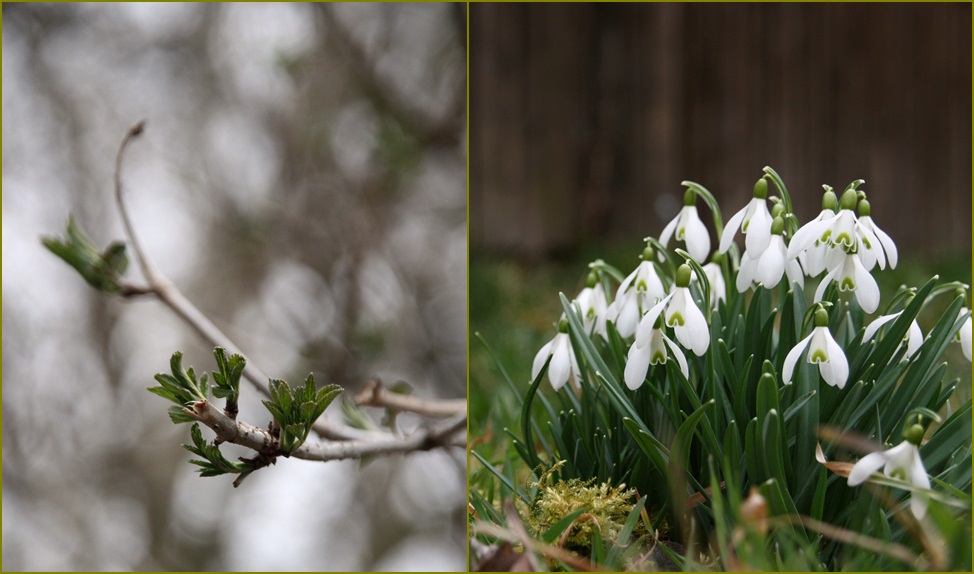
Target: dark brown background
584 119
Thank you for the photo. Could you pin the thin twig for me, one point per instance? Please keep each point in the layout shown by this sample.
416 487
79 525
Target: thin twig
160 286
260 440
376 395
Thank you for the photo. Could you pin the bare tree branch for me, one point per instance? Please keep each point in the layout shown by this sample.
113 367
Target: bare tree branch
160 286
376 395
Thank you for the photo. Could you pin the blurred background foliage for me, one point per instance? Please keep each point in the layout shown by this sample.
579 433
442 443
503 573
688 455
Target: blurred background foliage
302 180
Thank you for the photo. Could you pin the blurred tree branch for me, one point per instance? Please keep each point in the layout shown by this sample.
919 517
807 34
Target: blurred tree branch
352 442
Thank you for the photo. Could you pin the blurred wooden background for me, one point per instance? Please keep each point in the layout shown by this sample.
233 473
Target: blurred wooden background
585 118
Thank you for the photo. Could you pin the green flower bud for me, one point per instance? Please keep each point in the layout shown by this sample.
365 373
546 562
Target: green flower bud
690 197
592 280
821 317
829 200
761 188
863 208
849 199
777 225
913 434
778 210
563 326
683 275
648 253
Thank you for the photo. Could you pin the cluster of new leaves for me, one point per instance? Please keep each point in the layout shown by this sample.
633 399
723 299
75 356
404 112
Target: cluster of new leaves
228 378
296 410
101 270
213 463
181 387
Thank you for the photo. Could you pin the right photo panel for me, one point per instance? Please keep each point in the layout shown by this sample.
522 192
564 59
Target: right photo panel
719 287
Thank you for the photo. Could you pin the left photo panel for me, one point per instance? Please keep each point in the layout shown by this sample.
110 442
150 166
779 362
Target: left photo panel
234 287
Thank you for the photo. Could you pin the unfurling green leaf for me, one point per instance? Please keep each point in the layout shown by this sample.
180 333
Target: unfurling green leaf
101 270
296 410
214 463
181 387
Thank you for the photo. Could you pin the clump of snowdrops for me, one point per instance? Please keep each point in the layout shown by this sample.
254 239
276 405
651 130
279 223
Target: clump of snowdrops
767 406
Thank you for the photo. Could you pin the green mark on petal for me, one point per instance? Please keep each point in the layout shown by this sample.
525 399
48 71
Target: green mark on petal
847 284
676 319
657 358
818 356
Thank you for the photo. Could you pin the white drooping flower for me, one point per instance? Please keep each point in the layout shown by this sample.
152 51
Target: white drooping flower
823 351
903 462
688 227
715 276
851 275
594 305
913 338
964 335
754 221
650 348
563 363
636 294
684 317
766 268
877 247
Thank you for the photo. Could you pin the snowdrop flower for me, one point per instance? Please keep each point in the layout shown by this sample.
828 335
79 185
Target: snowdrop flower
878 247
964 335
823 351
637 293
563 363
650 348
682 314
715 276
767 267
902 461
851 275
689 228
592 300
754 220
913 339
811 240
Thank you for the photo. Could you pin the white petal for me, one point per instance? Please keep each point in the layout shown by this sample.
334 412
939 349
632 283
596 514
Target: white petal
637 366
793 355
965 338
648 322
678 354
628 316
696 235
794 273
914 339
745 275
540 358
918 474
758 232
888 246
876 324
807 234
867 291
771 264
820 291
694 334
560 367
733 224
865 468
664 238
836 370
